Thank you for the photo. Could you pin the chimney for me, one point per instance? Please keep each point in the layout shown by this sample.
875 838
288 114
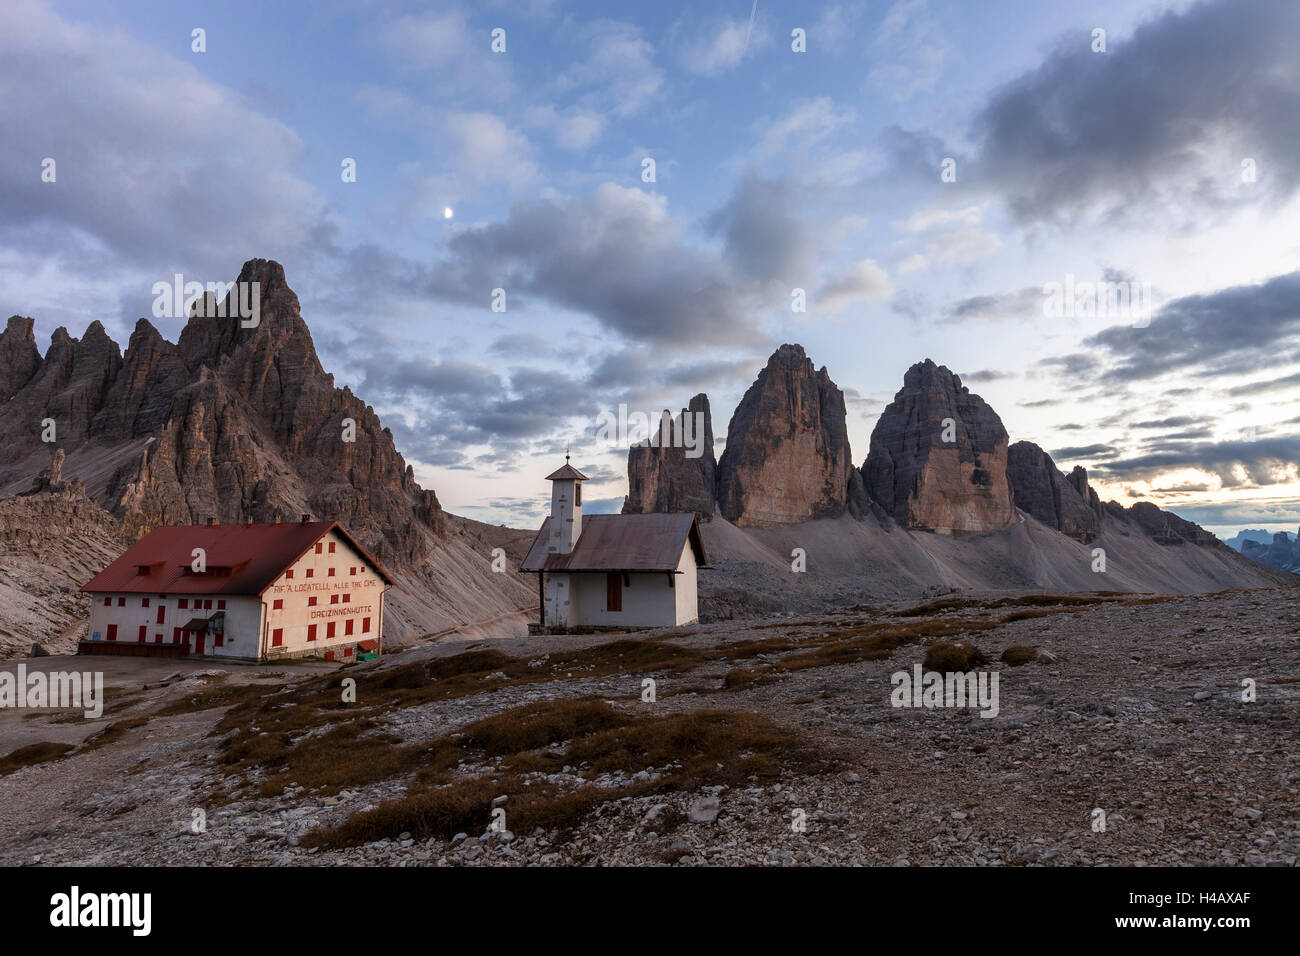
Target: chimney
306 518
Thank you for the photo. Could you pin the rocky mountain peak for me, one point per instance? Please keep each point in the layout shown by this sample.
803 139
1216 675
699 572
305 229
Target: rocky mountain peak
20 359
669 476
787 457
938 456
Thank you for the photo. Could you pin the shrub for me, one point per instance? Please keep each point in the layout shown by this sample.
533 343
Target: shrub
1019 654
948 658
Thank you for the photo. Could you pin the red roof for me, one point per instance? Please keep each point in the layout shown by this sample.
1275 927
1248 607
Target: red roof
241 558
649 542
368 645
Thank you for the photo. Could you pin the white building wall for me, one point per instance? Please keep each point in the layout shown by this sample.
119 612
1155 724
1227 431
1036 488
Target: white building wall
558 600
364 606
687 590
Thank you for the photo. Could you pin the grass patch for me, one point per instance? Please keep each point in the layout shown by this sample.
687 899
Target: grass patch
1019 654
948 658
32 754
690 750
113 732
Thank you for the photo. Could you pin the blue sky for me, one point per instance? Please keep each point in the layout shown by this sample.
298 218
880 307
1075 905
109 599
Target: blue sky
775 170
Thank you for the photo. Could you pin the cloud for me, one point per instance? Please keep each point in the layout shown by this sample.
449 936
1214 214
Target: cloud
1266 461
619 71
1017 304
1245 325
615 255
1161 120
718 45
987 375
765 235
860 281
909 51
158 168
807 123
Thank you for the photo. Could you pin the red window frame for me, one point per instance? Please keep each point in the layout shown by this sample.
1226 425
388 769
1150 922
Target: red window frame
334 599
144 632
320 547
277 604
310 574
329 573
311 601
347 598
221 605
277 637
329 630
347 627
111 634
288 574
365 625
121 602
183 604
311 632
108 602
144 602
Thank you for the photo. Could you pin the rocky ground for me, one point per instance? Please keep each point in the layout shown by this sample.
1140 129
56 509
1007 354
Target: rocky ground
1133 707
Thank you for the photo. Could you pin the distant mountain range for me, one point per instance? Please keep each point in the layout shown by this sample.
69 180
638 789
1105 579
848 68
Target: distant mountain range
943 499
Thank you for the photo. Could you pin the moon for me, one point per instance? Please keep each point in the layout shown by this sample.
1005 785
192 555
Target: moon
446 212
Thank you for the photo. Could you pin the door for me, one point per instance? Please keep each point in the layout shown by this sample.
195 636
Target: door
613 592
199 639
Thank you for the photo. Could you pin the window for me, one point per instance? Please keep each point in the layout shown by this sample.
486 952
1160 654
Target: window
319 547
310 573
347 599
162 609
108 602
577 493
311 601
183 603
329 630
365 625
144 602
288 574
352 570
347 627
112 632
278 605
277 637
157 638
219 640
121 602
331 547
334 599
144 630
613 592
176 635
207 605
330 573
311 632
221 605
347 652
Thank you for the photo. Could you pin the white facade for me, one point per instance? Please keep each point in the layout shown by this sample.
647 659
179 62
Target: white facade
647 599
328 601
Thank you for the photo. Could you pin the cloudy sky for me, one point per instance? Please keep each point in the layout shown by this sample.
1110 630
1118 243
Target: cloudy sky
932 174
